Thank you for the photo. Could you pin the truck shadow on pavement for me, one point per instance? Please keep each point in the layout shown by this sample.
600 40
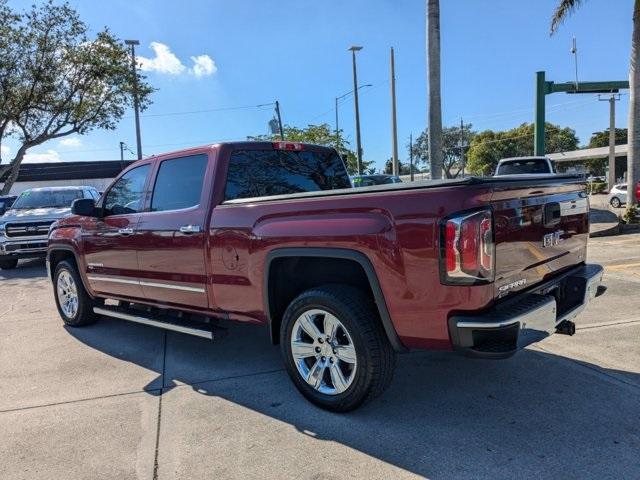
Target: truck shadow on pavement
26 269
536 415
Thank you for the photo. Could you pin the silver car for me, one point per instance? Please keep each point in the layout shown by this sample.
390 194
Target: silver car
618 195
25 227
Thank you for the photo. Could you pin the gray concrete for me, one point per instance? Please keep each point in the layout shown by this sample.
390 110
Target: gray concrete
603 218
117 400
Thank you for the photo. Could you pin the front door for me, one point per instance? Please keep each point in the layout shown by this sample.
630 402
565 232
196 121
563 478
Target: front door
173 233
111 242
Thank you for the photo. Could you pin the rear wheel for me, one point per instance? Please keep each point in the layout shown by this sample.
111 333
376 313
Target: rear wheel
335 349
615 202
9 264
74 304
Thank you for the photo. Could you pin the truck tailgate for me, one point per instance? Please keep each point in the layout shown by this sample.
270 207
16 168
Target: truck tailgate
540 230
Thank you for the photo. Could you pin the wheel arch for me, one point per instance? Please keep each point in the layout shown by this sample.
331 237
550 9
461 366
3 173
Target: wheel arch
58 253
358 266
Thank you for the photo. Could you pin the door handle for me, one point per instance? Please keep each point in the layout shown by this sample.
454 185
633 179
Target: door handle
190 229
125 231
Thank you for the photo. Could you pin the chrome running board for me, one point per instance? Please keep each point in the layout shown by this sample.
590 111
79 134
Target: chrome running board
203 330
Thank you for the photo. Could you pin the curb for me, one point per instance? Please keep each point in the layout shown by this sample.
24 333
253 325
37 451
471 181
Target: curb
629 227
615 229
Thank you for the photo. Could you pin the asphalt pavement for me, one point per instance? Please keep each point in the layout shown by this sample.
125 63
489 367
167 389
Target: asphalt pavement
122 401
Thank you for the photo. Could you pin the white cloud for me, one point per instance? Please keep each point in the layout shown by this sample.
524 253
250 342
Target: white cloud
4 151
70 142
50 156
203 66
164 61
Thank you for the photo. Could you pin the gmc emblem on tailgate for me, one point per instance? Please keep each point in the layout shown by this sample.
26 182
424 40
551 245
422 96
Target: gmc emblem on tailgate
552 239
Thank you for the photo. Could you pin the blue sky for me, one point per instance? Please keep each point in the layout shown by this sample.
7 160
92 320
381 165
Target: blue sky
296 51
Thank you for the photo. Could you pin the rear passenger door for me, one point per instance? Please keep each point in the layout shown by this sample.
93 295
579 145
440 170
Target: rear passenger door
171 256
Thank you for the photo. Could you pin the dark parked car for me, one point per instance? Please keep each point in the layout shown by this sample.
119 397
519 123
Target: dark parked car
368 180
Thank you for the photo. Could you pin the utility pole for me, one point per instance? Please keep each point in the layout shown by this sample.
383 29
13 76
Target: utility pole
611 180
462 145
337 128
279 120
394 124
136 103
353 50
121 155
411 156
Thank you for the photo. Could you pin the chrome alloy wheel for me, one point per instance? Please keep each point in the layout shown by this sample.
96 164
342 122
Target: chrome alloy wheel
323 352
67 294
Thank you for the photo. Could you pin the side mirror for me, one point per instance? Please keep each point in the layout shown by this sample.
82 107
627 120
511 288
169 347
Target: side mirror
85 207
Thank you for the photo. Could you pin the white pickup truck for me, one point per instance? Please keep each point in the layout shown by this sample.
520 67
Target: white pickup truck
525 166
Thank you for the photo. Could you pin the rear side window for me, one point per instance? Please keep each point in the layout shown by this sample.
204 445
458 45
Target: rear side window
524 166
262 173
179 183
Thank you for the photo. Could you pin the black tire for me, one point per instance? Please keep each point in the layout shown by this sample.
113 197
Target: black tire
9 264
84 314
375 356
615 202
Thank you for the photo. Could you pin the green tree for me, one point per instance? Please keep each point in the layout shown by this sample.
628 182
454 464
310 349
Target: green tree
488 147
55 80
403 167
320 135
601 139
451 149
564 9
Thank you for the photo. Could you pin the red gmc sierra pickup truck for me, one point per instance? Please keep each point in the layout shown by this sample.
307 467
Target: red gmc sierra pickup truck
344 278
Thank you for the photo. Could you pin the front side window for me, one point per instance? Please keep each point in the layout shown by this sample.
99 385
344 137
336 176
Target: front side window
179 183
261 173
126 195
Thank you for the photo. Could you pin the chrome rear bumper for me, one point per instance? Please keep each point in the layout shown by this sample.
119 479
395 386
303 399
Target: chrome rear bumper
528 317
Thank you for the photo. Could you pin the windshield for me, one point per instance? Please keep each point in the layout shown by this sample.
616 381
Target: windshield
524 166
46 199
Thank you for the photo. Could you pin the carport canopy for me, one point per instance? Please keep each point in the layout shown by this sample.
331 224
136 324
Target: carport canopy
588 153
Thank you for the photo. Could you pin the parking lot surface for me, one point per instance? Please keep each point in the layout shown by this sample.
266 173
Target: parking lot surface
121 401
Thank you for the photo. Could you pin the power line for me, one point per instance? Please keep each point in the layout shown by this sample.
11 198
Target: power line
209 110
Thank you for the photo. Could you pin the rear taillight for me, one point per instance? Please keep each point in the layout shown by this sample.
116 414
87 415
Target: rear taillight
468 249
292 146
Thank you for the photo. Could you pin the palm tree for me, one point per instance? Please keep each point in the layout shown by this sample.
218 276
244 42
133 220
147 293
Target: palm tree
435 102
565 7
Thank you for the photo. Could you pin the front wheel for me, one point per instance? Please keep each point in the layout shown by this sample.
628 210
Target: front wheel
615 202
335 349
74 304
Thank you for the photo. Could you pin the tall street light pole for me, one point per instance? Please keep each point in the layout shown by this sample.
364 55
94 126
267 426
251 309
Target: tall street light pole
394 123
136 104
353 50
337 120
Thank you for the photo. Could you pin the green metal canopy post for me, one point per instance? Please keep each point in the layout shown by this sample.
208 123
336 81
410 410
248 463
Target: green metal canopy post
541 84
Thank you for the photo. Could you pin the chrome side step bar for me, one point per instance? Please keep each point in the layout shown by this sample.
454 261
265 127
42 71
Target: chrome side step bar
206 331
